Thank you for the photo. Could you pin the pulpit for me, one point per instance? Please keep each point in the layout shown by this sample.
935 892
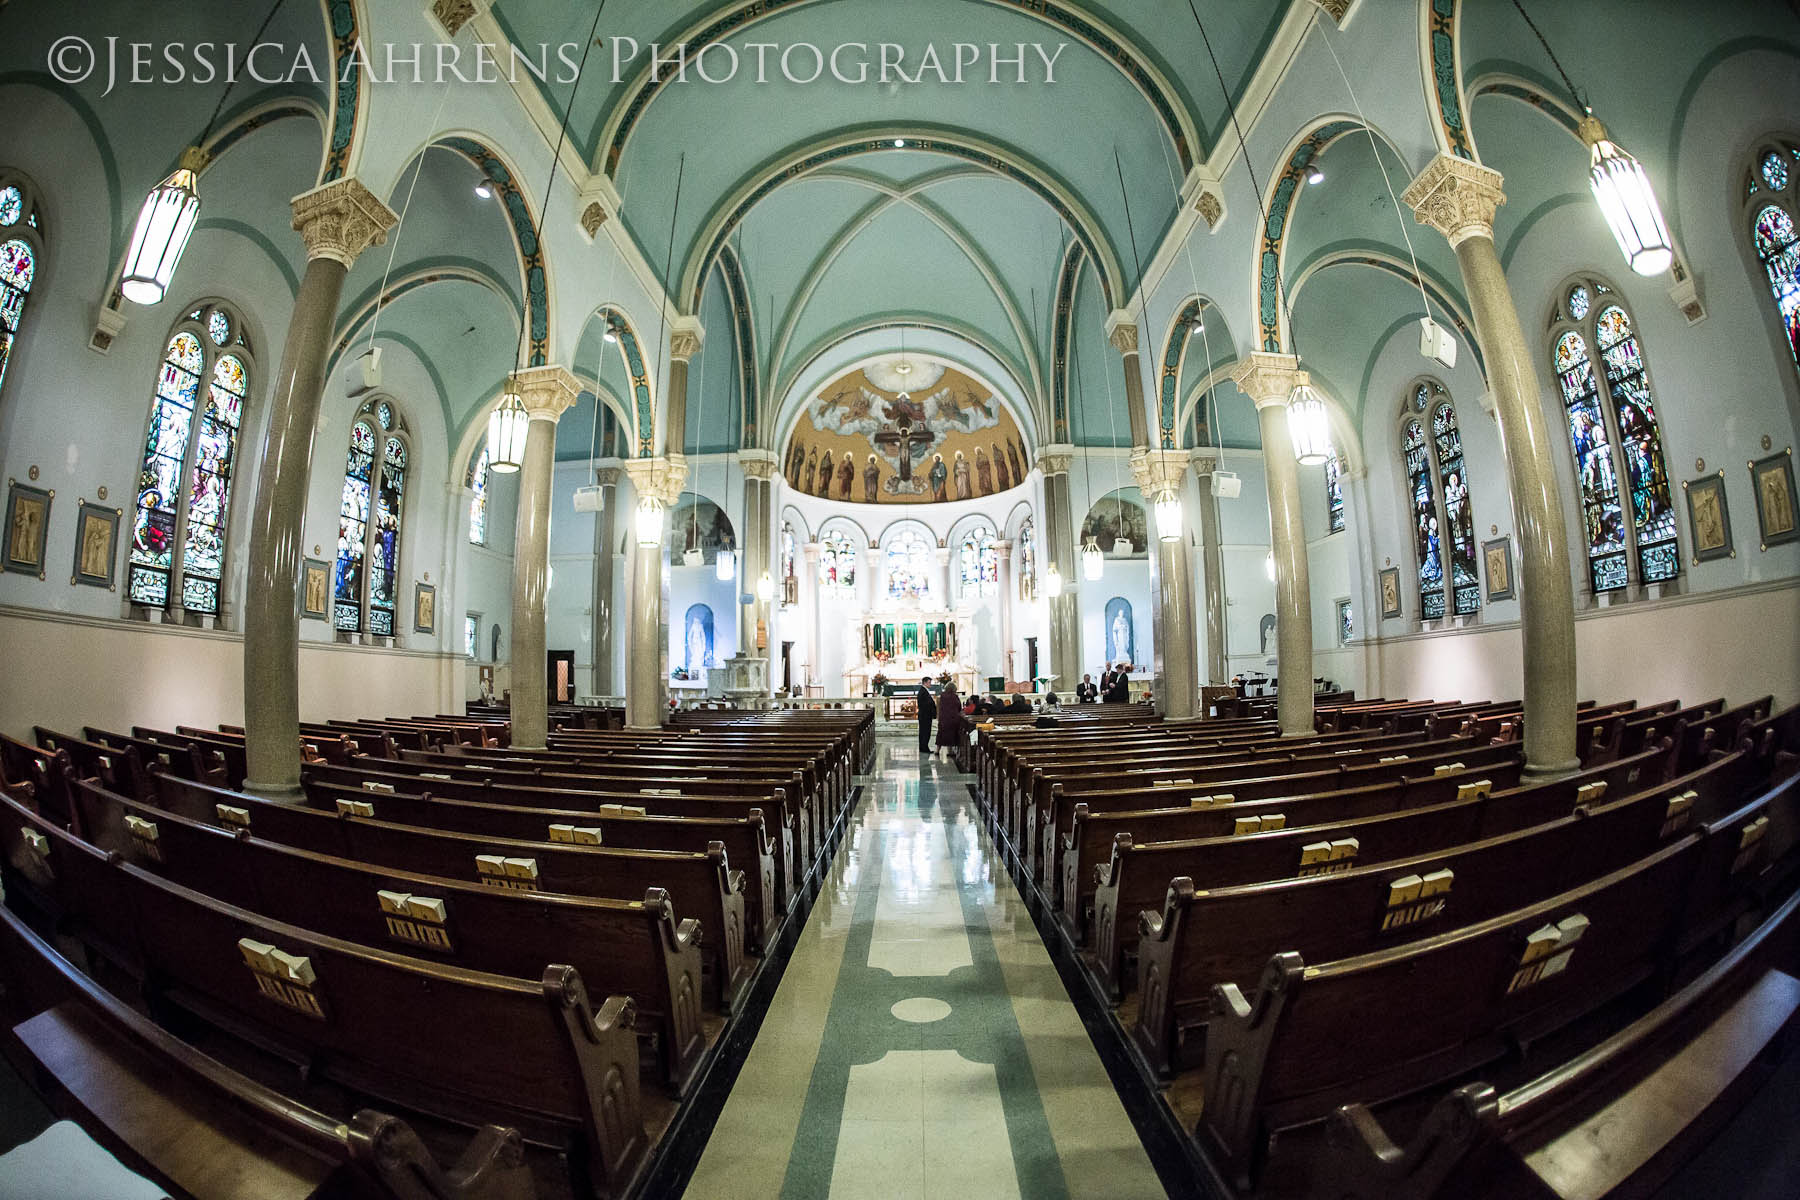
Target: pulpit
746 681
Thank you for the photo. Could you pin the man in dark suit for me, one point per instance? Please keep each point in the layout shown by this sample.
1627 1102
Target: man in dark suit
1085 691
1118 690
927 711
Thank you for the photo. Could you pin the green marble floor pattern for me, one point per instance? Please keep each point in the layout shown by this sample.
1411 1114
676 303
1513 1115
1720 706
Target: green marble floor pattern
921 1043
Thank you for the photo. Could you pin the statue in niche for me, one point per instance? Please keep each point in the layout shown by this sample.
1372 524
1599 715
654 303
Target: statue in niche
847 477
824 476
1000 468
1265 630
984 476
1012 456
871 484
962 476
939 475
812 465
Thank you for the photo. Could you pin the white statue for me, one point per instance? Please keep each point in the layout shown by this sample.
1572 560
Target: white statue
696 645
1121 638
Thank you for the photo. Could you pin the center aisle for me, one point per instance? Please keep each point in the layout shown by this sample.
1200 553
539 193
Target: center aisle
921 1043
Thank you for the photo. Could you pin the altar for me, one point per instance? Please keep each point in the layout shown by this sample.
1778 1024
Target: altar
903 647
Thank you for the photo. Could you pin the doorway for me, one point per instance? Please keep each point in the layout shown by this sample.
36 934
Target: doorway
560 681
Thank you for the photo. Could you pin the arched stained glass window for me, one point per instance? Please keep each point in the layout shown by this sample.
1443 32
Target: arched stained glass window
1459 516
190 456
1028 581
906 566
1427 537
1334 494
21 239
1614 433
978 564
479 478
1772 205
837 562
365 586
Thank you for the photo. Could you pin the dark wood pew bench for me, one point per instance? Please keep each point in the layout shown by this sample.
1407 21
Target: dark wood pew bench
121 770
37 777
185 759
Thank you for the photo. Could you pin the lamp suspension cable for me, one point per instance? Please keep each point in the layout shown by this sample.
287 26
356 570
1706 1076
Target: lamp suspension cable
1167 501
400 224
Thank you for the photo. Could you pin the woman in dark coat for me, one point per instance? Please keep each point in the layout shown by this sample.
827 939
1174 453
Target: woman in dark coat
950 720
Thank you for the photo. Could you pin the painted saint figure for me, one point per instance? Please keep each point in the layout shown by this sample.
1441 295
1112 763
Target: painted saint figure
806 477
1012 456
847 477
871 481
825 470
984 477
1001 469
962 476
939 474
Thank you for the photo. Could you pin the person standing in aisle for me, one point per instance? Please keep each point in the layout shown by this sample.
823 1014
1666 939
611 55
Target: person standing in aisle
927 711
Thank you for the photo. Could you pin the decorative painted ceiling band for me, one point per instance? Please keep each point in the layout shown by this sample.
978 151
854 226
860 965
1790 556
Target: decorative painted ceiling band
525 234
1281 202
645 408
874 145
347 84
353 328
1173 354
1061 328
1446 77
737 294
1081 26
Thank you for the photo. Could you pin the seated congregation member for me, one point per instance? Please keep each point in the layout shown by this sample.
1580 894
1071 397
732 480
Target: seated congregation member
1085 691
1018 703
950 721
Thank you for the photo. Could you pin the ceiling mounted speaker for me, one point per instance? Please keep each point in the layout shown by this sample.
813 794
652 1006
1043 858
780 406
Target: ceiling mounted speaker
589 498
1436 343
1226 485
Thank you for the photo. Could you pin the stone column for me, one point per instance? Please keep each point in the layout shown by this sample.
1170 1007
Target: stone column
606 545
1458 198
810 596
758 554
1059 548
685 339
659 480
1268 379
1003 551
1122 332
548 392
871 577
1177 682
338 222
1212 567
941 584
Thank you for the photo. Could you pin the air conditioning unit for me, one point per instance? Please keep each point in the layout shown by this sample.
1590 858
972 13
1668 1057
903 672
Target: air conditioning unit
1436 343
589 499
1226 485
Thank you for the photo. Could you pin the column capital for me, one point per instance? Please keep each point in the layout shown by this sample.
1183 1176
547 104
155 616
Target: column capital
943 556
811 551
599 203
547 392
658 478
1122 331
1204 462
1158 470
608 477
1056 458
1003 547
686 336
1268 379
341 219
1456 197
1202 192
757 464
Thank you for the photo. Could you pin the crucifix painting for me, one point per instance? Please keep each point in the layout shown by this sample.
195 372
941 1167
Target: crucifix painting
902 441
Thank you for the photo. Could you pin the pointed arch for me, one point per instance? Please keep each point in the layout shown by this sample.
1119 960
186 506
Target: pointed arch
533 272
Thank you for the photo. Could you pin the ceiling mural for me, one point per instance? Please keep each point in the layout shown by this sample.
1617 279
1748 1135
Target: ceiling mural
905 431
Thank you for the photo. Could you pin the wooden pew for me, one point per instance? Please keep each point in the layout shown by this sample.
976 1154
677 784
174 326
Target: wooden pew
197 1126
702 883
638 949
230 754
38 777
1409 1017
745 838
186 759
1775 741
1195 940
121 770
1605 1121
462 1046
1697 736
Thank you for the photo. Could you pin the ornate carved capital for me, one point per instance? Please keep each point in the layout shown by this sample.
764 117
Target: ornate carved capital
1122 331
1337 10
1003 548
686 336
658 478
452 15
757 464
548 392
1056 458
608 477
1204 462
1268 379
341 219
811 551
1456 197
1157 471
1202 192
599 203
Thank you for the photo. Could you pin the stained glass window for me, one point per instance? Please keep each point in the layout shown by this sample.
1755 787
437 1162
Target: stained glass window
1459 516
1028 582
837 562
479 478
1427 537
1334 494
18 265
1775 170
369 521
978 564
218 326
907 563
1779 254
790 578
184 482
1614 431
472 636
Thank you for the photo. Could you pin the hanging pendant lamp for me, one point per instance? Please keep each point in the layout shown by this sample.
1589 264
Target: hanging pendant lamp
1309 426
1168 515
725 566
164 226
1093 562
508 426
1053 583
1627 201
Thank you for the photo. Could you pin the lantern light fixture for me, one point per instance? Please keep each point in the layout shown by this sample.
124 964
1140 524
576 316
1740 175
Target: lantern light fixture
1053 583
1093 562
164 225
725 565
1269 565
1308 425
765 588
1168 515
1627 201
508 425
649 521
